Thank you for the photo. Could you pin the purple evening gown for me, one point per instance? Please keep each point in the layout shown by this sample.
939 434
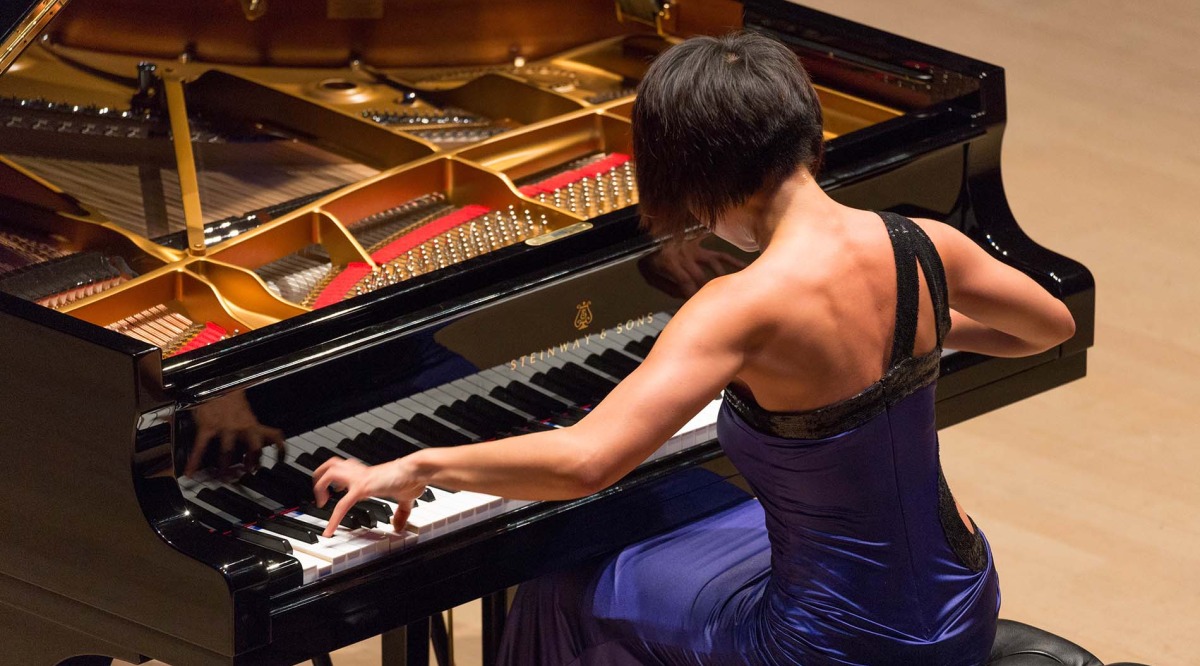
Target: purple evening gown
852 553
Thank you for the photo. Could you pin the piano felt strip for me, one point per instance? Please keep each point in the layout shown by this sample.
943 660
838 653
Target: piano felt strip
567 177
209 334
427 233
341 284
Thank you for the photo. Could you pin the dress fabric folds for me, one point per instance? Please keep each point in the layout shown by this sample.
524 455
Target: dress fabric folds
852 551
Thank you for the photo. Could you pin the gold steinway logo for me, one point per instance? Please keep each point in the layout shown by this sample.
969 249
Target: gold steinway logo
583 315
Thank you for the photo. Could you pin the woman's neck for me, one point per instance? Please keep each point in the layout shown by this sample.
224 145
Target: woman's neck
796 206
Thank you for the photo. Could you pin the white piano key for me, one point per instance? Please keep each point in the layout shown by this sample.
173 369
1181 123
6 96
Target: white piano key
314 568
345 548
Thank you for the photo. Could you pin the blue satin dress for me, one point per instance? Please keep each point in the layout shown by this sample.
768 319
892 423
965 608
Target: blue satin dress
852 553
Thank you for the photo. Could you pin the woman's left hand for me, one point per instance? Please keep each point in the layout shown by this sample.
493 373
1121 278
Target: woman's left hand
394 480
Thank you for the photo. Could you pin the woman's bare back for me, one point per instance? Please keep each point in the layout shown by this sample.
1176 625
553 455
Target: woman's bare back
832 308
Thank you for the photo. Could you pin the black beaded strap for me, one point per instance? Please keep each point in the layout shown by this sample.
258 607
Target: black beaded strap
908 300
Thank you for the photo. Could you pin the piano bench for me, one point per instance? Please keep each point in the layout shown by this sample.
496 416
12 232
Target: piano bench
1019 644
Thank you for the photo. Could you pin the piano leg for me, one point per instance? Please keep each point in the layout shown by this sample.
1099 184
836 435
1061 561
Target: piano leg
407 646
440 638
495 611
322 660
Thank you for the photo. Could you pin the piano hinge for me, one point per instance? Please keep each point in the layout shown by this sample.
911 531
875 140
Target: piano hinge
653 13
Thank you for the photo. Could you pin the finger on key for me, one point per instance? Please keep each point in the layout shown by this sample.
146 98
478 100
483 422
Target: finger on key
320 483
352 497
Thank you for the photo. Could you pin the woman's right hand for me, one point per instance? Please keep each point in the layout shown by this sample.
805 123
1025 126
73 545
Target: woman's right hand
394 480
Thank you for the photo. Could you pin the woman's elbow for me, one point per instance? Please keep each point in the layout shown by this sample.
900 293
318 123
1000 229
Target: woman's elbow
1054 330
1063 328
583 473
589 480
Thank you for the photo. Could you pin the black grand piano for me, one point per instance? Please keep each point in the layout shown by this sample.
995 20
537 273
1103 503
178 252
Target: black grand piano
370 227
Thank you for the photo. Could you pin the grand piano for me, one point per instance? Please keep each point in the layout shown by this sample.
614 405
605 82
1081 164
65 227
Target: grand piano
367 227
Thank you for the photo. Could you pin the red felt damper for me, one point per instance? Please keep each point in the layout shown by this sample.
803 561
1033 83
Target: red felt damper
210 334
567 177
427 232
341 284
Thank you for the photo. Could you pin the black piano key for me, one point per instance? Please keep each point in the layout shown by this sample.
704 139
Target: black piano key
446 435
427 496
576 371
556 386
238 507
289 527
296 480
493 412
265 485
584 388
234 496
395 444
620 359
260 538
352 520
507 397
324 453
454 413
406 428
307 461
640 348
616 368
366 454
381 512
208 518
546 403
427 431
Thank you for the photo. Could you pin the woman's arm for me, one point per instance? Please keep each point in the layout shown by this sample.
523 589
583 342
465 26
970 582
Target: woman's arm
698 353
996 309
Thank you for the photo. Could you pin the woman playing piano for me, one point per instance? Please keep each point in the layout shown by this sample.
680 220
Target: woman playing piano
827 348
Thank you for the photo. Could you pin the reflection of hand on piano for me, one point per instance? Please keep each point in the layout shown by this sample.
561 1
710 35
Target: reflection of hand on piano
230 421
681 269
393 480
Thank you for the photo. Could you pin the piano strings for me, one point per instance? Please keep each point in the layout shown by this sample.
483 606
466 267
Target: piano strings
434 236
589 186
64 280
23 248
169 330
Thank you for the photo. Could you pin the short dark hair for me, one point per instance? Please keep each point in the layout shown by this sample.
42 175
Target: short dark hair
715 120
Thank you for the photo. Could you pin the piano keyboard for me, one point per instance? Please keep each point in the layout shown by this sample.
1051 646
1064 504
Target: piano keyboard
552 392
